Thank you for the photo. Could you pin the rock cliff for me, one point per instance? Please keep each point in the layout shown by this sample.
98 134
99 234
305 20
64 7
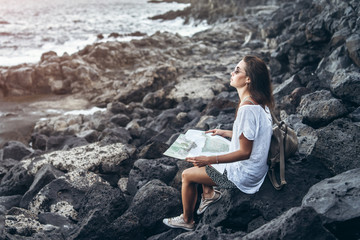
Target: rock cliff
103 176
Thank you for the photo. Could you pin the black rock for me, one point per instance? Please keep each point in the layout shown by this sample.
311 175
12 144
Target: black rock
45 175
15 150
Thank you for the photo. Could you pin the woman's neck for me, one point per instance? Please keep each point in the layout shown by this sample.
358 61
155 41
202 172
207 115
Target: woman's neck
243 93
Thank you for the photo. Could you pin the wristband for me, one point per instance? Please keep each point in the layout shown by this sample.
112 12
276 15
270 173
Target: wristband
217 161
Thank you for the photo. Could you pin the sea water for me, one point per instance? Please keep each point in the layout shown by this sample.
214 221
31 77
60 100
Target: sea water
29 28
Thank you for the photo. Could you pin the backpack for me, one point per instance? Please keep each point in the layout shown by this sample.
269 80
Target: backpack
283 144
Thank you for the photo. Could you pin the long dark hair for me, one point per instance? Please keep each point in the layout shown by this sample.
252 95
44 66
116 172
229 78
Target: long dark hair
260 86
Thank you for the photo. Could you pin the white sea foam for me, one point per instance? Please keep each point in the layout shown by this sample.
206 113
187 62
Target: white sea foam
38 26
85 112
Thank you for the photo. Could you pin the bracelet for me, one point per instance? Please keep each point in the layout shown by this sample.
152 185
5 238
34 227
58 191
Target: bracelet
217 161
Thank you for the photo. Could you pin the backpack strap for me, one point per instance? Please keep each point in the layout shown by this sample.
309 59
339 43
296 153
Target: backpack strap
272 177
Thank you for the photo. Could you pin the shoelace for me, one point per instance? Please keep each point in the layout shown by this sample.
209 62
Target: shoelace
178 218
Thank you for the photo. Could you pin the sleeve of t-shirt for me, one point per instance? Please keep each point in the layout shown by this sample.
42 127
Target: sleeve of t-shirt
247 123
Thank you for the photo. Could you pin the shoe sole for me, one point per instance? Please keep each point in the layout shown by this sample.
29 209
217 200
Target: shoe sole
172 226
199 213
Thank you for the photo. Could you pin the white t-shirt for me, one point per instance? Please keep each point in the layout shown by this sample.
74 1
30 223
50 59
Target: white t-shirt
256 124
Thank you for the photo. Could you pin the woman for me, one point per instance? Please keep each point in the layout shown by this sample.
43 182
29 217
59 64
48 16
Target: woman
245 166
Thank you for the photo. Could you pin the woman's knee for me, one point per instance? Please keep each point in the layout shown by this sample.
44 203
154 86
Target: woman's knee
187 175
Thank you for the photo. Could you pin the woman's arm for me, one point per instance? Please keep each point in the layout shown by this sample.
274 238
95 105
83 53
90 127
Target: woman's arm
242 154
220 132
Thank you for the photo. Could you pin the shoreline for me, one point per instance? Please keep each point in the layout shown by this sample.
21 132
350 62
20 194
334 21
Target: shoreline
19 114
91 176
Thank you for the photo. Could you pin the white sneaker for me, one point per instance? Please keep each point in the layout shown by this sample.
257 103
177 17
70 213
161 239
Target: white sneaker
178 222
206 202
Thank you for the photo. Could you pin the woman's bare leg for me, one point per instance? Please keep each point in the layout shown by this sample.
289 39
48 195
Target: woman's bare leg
190 178
208 191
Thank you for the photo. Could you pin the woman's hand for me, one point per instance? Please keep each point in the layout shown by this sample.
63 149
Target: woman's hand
199 161
220 132
216 132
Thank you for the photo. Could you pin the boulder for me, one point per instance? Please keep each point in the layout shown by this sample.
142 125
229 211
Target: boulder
45 175
115 135
38 141
346 84
63 195
16 150
54 224
319 108
90 136
296 223
6 165
21 222
286 87
336 200
92 157
145 170
120 119
117 107
337 145
146 80
7 202
353 47
166 202
127 226
101 205
16 181
204 232
153 150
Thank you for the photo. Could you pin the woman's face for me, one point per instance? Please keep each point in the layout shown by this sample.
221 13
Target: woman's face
238 76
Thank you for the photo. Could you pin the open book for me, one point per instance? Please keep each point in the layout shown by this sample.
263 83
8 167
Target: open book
197 143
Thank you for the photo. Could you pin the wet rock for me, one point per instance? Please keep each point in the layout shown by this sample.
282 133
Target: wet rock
336 200
320 108
297 223
145 170
337 145
45 175
15 150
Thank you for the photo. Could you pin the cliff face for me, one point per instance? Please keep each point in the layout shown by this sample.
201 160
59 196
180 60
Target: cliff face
104 175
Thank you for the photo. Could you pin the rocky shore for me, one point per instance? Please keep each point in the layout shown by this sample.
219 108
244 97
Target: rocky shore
103 176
